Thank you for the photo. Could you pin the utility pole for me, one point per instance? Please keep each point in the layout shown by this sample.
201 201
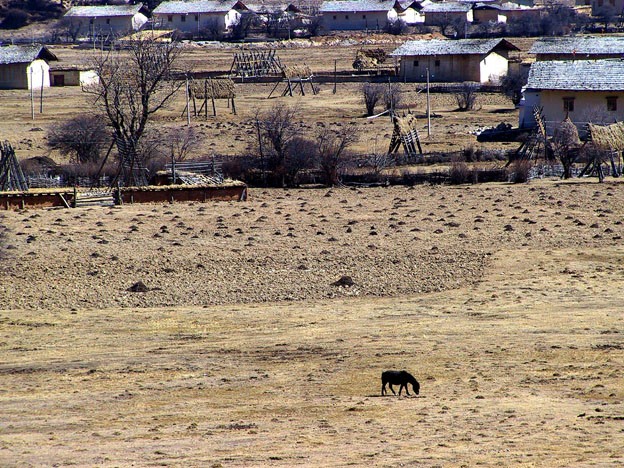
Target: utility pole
188 103
428 107
335 76
32 97
42 81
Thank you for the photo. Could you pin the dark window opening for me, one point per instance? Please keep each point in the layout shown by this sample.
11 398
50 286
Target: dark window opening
183 18
437 63
415 63
170 18
612 104
568 104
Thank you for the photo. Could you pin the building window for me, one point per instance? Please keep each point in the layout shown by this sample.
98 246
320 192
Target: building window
170 18
91 21
183 18
346 16
568 104
437 63
612 104
196 17
335 17
363 16
107 20
415 63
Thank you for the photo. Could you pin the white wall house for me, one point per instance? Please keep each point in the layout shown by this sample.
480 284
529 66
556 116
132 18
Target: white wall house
358 14
412 11
72 76
198 15
25 67
107 19
583 90
479 60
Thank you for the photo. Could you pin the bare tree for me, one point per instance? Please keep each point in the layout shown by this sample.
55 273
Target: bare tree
278 128
69 28
466 96
371 94
392 97
565 142
180 142
512 83
332 146
82 138
133 85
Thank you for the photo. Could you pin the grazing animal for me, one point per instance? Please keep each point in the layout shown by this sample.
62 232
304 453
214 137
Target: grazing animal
401 378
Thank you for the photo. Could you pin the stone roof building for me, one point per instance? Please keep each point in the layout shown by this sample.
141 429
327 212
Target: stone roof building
583 90
442 13
108 19
358 14
25 67
480 60
578 48
198 15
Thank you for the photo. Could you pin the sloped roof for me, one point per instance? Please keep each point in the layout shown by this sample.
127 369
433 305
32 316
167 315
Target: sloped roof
349 6
272 8
104 10
447 7
24 54
197 6
577 75
579 45
452 47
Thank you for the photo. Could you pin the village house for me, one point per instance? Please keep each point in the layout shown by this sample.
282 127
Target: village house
446 12
501 13
72 75
358 14
25 67
200 15
411 11
480 60
578 48
583 90
107 19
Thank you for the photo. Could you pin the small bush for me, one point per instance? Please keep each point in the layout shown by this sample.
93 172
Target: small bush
466 97
14 19
371 94
459 173
520 169
396 27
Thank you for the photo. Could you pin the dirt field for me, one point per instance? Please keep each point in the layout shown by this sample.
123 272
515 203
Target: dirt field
510 318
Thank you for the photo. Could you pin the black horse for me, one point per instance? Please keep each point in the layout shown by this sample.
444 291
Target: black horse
401 378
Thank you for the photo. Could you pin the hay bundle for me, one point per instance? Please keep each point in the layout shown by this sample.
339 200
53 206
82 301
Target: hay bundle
376 54
608 137
297 71
371 58
220 88
405 125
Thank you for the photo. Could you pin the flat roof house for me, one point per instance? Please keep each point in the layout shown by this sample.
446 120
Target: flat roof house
25 67
578 48
358 14
195 16
480 60
501 13
107 19
442 13
583 90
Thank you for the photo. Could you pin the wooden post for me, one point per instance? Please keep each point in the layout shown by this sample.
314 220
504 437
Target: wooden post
75 197
206 99
428 107
188 104
335 75
32 98
214 108
41 98
234 107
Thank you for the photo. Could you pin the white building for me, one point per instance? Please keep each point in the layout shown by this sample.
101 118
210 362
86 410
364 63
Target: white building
358 14
108 19
443 13
198 15
412 11
25 67
479 60
583 90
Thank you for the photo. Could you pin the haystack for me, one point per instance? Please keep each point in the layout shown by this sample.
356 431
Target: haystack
220 88
297 72
366 59
608 137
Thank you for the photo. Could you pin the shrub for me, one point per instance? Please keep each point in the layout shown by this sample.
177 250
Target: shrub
466 96
511 84
392 97
396 27
371 94
520 170
459 173
82 138
14 19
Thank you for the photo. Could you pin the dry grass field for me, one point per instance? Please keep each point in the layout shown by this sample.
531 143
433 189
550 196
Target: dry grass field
504 301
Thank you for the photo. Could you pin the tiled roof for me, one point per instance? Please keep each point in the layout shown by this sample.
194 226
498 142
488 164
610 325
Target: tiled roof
451 47
580 45
24 54
447 7
106 10
357 5
200 6
577 75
